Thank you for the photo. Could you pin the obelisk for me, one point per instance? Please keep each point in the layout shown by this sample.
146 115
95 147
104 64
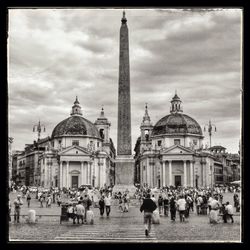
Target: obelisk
124 166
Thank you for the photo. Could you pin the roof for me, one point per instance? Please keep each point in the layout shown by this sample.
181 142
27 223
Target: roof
176 123
217 147
75 125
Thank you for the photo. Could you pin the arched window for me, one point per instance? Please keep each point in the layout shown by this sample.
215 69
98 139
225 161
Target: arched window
101 133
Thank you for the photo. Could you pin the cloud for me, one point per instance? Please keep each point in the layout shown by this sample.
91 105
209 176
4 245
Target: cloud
56 54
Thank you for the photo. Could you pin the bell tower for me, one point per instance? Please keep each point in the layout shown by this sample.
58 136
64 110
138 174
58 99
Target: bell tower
103 126
176 104
146 129
76 108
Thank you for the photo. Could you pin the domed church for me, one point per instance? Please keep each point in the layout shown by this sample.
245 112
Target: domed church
170 153
78 152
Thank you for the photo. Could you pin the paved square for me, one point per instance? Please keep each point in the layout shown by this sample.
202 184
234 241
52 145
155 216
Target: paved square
121 227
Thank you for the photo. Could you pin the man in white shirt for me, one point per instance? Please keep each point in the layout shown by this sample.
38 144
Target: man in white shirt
198 204
80 211
209 203
17 208
229 211
215 205
181 203
107 201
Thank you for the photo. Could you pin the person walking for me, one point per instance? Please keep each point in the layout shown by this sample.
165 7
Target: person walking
173 205
101 205
148 206
80 212
107 201
17 208
28 198
209 203
41 199
166 205
125 201
120 206
199 204
86 203
229 211
49 200
160 203
181 204
72 212
215 206
9 210
59 200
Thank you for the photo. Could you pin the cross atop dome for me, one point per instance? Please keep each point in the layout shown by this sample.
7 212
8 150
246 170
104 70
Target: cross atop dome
176 106
76 108
76 101
102 112
176 97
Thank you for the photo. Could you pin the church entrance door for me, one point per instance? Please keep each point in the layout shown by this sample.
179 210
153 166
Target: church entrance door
74 181
177 180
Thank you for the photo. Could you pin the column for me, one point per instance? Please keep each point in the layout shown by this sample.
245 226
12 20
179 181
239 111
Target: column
185 174
163 174
100 173
170 172
67 174
148 175
61 175
82 174
90 173
205 174
191 174
152 175
86 173
201 177
45 172
104 171
142 173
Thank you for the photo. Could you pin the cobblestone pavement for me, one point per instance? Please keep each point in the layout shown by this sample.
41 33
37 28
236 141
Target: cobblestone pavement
121 227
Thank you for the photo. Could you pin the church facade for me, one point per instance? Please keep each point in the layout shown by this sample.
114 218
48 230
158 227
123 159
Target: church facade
171 152
78 152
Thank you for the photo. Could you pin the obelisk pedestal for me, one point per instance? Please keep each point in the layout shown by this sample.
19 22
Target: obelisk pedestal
124 175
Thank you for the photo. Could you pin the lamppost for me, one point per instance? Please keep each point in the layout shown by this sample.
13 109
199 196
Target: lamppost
38 128
210 127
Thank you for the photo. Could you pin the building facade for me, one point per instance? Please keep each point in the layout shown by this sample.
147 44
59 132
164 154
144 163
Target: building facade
78 152
171 153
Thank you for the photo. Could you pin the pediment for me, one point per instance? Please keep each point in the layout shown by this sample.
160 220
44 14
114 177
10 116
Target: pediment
177 149
74 172
74 150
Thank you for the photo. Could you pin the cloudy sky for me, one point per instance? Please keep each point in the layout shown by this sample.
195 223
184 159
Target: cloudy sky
56 54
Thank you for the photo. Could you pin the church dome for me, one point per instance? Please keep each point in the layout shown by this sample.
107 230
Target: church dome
75 125
176 122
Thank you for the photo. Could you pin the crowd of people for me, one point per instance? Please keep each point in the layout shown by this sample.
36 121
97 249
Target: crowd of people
154 202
